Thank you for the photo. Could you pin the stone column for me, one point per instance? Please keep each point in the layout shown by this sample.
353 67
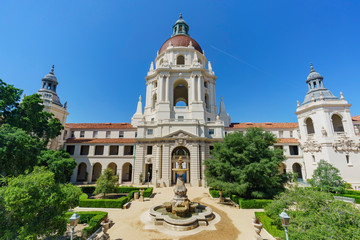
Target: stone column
194 165
202 154
148 97
139 163
167 79
166 165
193 87
119 173
199 97
160 89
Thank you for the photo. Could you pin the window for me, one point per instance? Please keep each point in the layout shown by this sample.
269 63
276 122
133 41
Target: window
152 119
99 150
294 150
114 150
314 160
208 119
84 150
180 60
95 134
181 118
281 134
108 134
279 147
149 150
65 135
150 132
211 131
135 134
291 134
206 84
121 134
72 134
70 149
82 134
129 150
337 123
309 126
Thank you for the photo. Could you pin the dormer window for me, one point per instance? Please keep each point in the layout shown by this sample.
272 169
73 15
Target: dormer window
180 60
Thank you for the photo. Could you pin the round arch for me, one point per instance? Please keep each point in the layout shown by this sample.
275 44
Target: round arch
113 167
184 153
282 168
126 172
297 169
180 90
337 123
309 125
81 172
96 171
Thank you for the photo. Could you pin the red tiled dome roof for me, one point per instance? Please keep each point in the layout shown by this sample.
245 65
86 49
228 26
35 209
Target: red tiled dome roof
180 41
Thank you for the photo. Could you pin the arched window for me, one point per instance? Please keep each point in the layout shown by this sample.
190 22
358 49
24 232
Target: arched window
180 60
309 126
180 93
337 123
154 101
207 106
297 169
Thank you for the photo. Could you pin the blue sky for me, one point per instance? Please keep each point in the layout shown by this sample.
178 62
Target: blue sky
259 50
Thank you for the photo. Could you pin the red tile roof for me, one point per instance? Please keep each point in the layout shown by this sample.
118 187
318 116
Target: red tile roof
265 125
99 125
287 140
356 118
100 140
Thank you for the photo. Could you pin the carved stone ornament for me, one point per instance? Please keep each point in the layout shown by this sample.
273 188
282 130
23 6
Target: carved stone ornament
357 131
344 144
298 133
311 146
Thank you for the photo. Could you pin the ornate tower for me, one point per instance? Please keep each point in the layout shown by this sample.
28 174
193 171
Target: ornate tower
180 104
326 130
53 105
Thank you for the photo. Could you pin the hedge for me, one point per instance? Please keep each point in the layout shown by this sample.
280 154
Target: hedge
357 197
215 193
92 218
352 192
253 203
103 203
268 224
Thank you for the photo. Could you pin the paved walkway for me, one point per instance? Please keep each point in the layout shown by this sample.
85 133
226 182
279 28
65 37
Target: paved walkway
129 223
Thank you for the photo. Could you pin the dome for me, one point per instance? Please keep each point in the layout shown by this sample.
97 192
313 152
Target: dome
50 76
180 41
313 75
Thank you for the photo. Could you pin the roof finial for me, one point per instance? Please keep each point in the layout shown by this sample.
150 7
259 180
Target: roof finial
221 98
311 68
341 96
180 16
52 68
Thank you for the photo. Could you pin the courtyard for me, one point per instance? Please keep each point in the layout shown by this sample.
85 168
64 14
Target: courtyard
132 223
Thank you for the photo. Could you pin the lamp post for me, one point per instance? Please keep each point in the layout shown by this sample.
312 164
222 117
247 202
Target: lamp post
285 221
148 179
73 220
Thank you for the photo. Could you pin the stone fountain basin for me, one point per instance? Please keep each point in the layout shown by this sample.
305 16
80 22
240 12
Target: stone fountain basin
182 224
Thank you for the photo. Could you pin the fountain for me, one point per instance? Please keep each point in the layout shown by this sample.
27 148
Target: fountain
181 214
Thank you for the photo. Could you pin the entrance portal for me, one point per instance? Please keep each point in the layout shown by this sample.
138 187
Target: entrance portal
185 154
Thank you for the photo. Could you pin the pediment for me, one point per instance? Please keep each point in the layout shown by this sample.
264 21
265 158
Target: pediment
180 134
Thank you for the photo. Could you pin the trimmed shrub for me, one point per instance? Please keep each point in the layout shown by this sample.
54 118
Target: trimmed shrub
352 192
357 197
148 192
83 196
103 203
215 193
268 224
126 189
253 203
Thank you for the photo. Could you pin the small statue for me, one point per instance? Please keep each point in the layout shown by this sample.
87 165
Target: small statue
323 131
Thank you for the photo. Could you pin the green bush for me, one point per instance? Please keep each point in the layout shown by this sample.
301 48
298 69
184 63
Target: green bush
215 193
83 196
352 192
103 203
148 192
126 189
253 203
92 218
269 225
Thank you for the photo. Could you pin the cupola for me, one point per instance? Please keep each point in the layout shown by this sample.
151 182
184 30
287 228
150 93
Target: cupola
48 88
180 27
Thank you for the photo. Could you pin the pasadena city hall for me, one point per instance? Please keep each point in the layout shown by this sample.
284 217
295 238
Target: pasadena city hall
180 118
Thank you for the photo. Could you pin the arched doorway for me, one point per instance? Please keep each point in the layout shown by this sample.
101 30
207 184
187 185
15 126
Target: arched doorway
81 173
113 167
282 168
126 172
185 154
96 171
297 169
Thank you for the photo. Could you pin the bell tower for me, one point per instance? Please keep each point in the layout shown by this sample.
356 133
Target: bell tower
52 104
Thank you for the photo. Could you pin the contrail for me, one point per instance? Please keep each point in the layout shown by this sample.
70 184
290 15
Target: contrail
238 59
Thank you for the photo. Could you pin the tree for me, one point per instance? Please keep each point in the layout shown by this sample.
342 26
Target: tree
106 183
246 165
9 97
18 151
59 162
34 205
327 178
315 215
